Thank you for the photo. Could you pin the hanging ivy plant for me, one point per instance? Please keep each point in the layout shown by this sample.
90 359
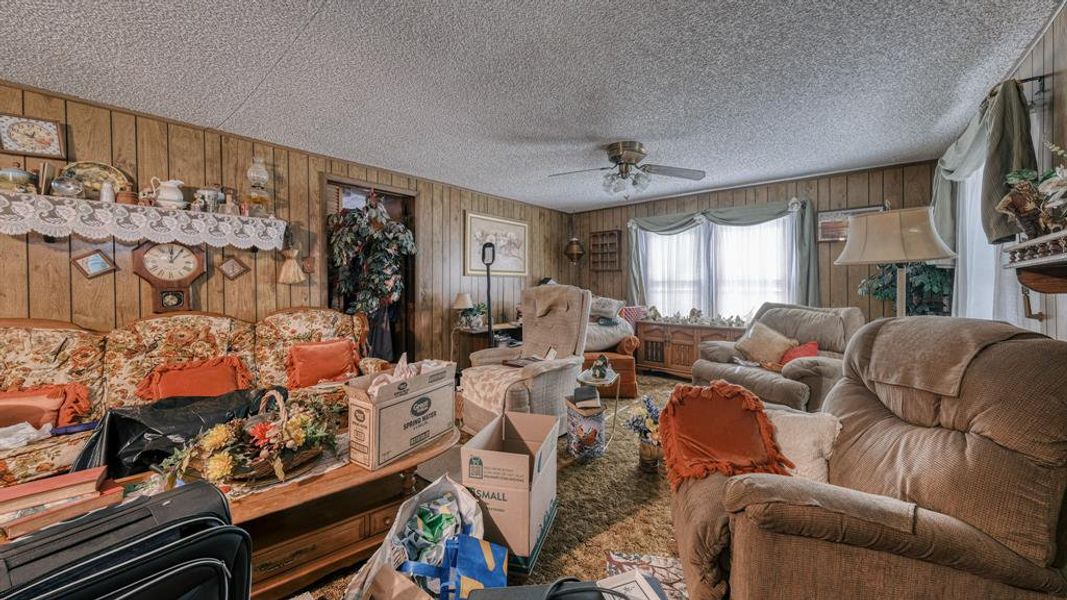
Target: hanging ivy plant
929 288
367 251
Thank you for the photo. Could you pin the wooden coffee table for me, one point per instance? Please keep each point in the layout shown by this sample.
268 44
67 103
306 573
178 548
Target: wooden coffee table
312 527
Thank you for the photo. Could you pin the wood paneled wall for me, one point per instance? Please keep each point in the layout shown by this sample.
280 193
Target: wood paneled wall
903 186
37 280
1049 57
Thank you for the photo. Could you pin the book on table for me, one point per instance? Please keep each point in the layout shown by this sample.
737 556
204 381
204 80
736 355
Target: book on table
51 489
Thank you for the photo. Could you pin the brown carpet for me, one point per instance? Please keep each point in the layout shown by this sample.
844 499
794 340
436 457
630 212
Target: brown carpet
604 505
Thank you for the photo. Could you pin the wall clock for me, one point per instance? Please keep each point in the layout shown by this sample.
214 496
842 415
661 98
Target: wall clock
31 137
170 269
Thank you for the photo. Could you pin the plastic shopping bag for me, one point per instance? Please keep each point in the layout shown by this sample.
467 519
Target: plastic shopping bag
469 564
378 578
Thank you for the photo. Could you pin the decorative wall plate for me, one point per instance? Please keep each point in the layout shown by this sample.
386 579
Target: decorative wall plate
233 268
94 264
31 137
93 175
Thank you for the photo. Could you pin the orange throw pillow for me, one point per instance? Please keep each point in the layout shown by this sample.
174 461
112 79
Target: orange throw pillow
717 429
328 360
208 378
60 405
801 351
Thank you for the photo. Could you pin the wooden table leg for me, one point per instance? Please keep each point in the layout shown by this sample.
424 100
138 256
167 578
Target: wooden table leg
408 481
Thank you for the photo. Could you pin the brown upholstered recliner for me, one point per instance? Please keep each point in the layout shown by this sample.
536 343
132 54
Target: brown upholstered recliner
947 479
804 382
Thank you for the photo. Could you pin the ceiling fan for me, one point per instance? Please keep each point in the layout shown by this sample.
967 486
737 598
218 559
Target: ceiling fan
626 168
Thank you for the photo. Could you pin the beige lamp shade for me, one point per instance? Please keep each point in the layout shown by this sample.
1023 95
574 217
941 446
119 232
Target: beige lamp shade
894 236
462 301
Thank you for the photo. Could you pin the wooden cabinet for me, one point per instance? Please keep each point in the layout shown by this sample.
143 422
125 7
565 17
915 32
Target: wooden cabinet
674 347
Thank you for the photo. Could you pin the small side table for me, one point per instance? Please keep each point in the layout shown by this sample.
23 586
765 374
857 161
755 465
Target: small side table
581 422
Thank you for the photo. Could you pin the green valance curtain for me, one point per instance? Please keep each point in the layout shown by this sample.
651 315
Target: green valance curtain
806 256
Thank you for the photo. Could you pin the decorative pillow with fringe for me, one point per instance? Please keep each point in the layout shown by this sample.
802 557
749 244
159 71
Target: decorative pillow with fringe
59 405
328 360
721 428
208 378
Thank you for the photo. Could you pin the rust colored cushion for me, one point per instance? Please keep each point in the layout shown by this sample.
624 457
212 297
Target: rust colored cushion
58 405
209 378
720 428
328 360
808 349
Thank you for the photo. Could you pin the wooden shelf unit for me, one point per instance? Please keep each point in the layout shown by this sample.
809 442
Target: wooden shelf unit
673 347
605 250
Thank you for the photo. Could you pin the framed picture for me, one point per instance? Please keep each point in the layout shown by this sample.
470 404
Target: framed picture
94 264
833 224
510 238
232 268
32 137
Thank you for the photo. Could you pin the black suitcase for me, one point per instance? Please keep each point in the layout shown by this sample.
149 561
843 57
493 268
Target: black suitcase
179 544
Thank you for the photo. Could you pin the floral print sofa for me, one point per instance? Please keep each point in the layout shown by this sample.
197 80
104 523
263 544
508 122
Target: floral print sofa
36 352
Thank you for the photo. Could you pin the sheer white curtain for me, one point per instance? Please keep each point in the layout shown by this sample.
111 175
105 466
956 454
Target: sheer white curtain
982 289
676 270
753 265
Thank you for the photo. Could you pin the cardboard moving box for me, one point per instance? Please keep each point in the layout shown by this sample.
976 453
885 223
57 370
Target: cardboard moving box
510 466
403 417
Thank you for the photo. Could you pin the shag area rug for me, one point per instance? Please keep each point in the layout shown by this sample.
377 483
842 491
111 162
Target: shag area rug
607 505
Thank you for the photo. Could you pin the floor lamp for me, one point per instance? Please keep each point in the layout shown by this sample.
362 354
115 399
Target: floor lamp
894 237
488 258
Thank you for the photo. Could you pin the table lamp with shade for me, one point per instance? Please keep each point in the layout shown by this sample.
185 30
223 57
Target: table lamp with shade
462 302
896 237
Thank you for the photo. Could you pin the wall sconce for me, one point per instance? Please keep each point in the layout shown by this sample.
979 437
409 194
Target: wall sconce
574 250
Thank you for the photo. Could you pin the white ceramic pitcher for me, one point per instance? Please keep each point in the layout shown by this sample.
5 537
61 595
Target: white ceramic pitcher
168 193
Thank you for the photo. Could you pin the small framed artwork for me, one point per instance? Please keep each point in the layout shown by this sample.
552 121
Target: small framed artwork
94 264
833 224
232 268
32 137
509 237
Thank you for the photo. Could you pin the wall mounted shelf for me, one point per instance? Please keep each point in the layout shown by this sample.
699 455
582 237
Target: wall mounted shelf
55 216
1040 263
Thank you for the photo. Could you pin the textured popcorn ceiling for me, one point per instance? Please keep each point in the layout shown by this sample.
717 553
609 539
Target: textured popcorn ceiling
495 95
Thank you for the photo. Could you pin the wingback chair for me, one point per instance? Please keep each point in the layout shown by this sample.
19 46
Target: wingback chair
946 481
553 316
803 382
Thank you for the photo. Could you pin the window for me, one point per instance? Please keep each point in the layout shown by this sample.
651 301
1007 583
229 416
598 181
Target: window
720 269
753 265
674 271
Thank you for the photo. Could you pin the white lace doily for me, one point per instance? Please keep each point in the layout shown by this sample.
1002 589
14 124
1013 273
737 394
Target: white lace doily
60 217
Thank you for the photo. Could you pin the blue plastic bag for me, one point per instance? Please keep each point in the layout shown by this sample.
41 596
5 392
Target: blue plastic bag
469 564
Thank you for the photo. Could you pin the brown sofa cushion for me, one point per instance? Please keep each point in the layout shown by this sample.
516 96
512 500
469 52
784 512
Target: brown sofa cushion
825 328
767 385
995 456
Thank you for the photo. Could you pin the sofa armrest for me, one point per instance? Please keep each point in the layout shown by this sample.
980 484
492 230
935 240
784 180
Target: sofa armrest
547 366
628 345
806 367
720 352
702 529
494 356
819 373
798 507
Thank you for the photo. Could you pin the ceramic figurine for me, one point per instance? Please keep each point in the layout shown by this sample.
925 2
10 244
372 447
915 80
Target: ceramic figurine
168 194
147 197
107 192
599 369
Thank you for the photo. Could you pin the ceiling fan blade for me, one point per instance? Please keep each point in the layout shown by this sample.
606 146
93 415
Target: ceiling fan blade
580 171
694 174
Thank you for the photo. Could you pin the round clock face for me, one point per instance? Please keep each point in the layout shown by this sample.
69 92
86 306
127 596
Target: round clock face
31 135
170 262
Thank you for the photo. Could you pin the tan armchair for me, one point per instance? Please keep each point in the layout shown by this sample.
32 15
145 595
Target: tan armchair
803 382
947 479
554 316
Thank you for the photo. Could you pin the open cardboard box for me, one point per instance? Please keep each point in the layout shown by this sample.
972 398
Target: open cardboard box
510 466
403 417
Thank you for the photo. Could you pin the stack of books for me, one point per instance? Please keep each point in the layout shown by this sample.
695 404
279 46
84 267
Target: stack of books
27 507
